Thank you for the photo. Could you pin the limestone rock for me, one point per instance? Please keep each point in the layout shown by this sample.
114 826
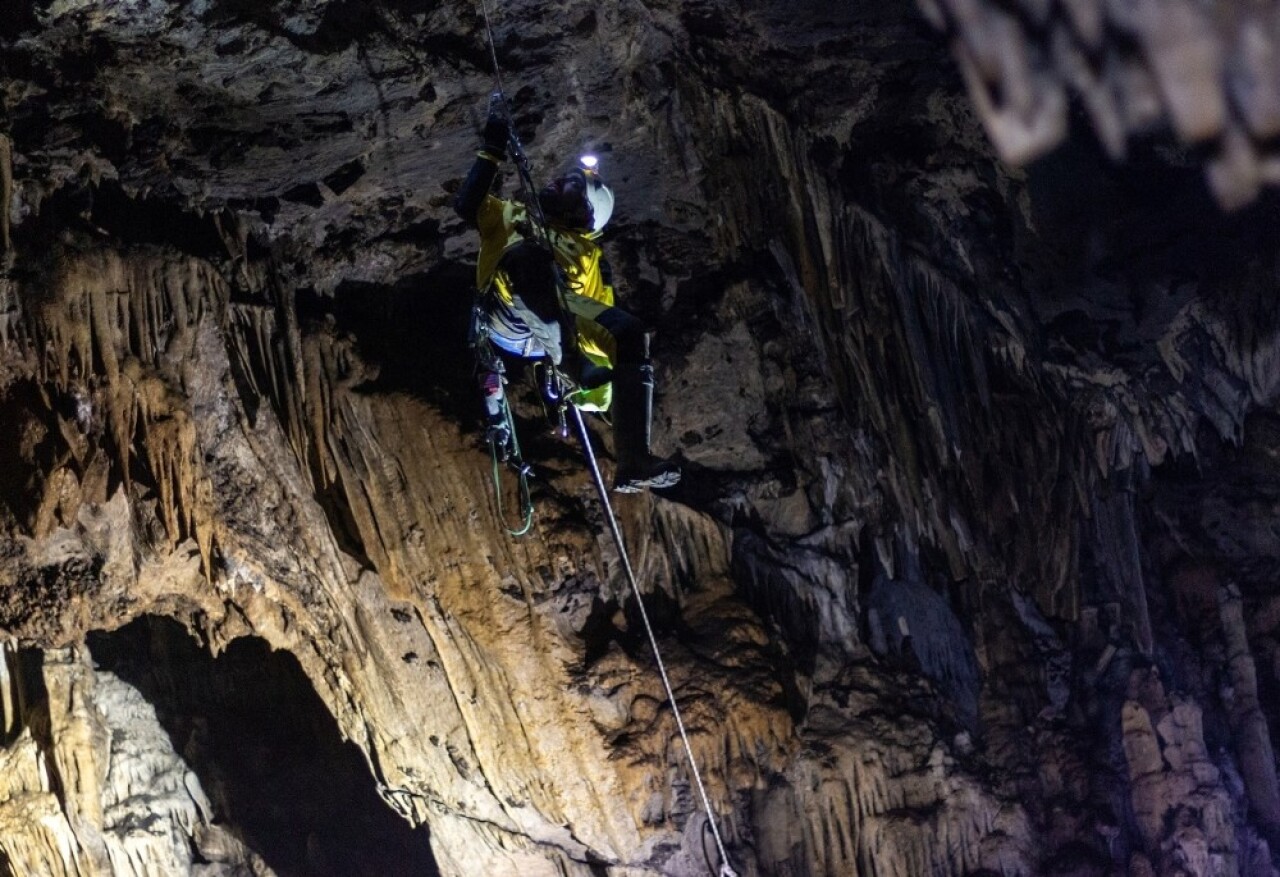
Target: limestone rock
971 571
91 784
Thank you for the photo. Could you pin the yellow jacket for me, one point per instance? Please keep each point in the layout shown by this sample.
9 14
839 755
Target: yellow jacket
502 225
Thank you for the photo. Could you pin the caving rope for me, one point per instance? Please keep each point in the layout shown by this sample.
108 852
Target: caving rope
487 359
565 400
725 869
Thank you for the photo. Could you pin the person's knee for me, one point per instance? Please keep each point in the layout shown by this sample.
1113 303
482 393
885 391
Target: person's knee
630 333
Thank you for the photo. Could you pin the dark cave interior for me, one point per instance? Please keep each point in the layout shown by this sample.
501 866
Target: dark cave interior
267 752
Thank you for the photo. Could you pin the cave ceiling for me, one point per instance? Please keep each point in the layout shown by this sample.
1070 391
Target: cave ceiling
966 332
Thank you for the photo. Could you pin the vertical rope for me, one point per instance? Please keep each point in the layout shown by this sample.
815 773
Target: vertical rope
527 190
725 869
528 193
526 181
522 478
493 55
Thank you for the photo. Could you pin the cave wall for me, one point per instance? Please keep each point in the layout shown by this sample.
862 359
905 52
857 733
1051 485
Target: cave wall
92 784
970 571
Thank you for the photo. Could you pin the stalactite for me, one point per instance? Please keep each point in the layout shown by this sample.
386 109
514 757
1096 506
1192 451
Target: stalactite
6 197
889 318
10 705
268 356
896 810
1177 799
1115 539
122 325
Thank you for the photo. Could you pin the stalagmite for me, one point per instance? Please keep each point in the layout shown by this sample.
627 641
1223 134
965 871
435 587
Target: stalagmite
1252 735
111 796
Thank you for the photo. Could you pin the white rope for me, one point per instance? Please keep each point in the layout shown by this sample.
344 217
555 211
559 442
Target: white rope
493 55
725 869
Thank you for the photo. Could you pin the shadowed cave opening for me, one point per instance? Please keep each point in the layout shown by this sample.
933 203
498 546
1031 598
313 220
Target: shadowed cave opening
268 753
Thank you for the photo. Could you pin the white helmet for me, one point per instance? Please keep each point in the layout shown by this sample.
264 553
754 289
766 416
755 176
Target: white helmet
600 195
601 198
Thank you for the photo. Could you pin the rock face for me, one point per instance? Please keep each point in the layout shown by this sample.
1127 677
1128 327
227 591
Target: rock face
972 568
92 784
1211 73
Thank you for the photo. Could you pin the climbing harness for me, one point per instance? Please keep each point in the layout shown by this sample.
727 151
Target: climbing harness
558 391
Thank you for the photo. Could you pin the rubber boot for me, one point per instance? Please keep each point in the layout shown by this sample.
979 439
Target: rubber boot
632 414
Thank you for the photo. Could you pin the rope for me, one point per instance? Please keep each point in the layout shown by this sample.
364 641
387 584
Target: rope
517 149
522 477
493 55
725 869
535 208
528 192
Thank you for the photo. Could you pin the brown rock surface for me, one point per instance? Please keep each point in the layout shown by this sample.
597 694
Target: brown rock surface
972 568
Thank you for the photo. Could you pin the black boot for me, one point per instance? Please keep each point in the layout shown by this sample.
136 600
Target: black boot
632 412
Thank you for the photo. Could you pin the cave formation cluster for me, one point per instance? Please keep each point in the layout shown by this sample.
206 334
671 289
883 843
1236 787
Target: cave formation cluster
967 338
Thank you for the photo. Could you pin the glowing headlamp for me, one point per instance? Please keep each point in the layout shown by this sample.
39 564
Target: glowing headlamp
588 162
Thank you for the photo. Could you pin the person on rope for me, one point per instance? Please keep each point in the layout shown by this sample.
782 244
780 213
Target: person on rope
557 302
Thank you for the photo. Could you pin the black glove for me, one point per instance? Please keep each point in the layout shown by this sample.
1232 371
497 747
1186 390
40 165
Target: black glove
497 132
